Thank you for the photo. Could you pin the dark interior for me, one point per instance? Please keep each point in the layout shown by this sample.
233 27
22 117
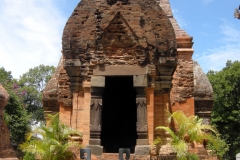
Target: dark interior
119 114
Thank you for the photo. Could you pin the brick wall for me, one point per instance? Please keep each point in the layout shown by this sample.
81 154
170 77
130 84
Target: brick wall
161 105
150 114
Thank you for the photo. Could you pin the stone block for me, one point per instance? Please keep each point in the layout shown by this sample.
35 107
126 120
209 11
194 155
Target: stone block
119 70
142 141
140 80
95 141
98 81
96 149
142 157
142 150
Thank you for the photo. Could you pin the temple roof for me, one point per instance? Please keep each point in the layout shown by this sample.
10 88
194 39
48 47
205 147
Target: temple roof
165 5
50 92
202 87
142 21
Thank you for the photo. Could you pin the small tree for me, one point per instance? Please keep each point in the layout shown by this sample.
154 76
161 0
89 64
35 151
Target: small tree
226 109
51 142
15 114
189 129
32 83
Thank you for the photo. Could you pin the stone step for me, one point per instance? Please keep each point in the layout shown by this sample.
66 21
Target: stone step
114 156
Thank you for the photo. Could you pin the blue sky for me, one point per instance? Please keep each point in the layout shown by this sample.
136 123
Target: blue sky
31 31
215 31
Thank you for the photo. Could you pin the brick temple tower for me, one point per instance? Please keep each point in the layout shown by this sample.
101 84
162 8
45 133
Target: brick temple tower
124 62
237 13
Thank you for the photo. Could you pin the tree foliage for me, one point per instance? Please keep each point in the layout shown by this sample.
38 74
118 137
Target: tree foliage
226 110
32 83
25 101
5 76
17 118
15 114
51 141
37 77
218 146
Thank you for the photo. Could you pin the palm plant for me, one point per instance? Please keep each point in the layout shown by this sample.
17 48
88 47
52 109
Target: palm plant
189 129
178 144
51 142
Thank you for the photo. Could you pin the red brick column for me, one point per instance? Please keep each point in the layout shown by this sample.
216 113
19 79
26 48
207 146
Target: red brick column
150 114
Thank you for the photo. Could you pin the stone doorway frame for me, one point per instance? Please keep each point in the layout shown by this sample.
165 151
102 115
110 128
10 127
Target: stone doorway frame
97 87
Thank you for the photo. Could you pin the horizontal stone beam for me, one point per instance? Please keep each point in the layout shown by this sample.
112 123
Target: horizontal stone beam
119 70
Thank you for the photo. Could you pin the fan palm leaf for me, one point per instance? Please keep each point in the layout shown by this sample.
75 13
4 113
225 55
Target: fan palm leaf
180 148
188 129
51 142
168 130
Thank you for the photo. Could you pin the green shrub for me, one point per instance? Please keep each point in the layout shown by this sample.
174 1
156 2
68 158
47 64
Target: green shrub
29 156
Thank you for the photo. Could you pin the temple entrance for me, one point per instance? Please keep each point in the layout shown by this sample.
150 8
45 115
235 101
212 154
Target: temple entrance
119 114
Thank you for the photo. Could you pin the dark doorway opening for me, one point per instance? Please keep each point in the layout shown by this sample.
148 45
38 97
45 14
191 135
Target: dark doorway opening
119 114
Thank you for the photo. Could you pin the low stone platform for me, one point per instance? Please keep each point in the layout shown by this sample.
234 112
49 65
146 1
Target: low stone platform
114 156
173 157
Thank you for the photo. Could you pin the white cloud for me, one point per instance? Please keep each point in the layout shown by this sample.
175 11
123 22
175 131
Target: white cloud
181 22
30 34
216 58
232 35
